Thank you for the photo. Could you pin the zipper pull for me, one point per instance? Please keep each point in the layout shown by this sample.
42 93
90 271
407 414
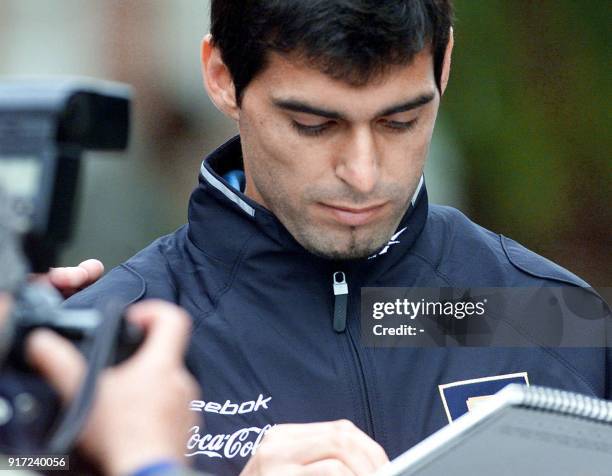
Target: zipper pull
340 301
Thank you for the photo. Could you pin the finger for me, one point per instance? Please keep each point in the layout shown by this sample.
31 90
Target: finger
71 279
67 279
59 362
331 467
306 451
167 328
6 302
94 268
338 439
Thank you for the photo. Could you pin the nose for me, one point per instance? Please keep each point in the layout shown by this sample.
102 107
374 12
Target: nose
358 163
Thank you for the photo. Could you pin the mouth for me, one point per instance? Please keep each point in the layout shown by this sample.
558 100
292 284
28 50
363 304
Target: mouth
351 216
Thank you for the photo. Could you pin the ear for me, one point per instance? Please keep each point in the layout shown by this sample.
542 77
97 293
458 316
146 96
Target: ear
218 80
447 61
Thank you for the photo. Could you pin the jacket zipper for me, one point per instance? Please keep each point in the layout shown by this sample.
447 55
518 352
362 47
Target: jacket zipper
340 301
341 295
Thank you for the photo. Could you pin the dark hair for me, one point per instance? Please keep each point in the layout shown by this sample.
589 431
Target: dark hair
350 40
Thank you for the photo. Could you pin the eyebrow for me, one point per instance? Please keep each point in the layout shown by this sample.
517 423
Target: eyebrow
300 106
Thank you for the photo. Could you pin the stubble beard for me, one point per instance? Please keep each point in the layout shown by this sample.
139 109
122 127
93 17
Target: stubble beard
349 246
328 241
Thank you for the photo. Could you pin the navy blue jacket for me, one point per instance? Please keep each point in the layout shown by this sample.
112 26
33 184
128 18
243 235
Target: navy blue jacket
263 347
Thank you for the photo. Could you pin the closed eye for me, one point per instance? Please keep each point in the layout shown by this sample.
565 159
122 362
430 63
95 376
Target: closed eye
311 130
400 126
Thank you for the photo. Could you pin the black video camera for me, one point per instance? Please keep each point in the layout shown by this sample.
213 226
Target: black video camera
45 127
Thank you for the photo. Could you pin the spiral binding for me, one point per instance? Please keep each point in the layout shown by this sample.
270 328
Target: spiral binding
569 403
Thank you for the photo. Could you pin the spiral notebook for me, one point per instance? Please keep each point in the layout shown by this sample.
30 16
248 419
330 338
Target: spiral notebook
521 430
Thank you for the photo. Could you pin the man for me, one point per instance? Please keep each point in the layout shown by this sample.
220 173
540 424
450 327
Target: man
335 102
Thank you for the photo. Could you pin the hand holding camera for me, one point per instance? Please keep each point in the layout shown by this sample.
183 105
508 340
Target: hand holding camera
140 411
122 417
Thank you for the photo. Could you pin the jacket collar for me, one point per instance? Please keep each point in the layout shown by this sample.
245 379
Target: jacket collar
222 219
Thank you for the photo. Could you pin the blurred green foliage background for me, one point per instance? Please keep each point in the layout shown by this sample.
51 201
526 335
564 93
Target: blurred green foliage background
530 101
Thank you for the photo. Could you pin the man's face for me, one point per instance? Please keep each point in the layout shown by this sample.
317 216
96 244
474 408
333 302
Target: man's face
337 164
